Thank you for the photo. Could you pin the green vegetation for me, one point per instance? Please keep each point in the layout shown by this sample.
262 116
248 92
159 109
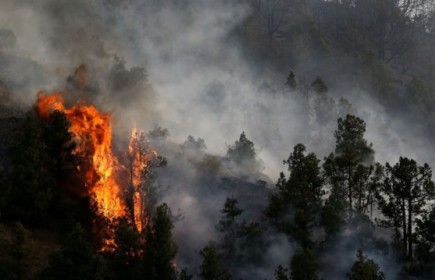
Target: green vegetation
319 211
334 196
365 268
211 267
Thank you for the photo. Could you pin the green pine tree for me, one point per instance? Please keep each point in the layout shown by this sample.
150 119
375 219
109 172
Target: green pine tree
160 250
76 260
211 267
304 266
365 269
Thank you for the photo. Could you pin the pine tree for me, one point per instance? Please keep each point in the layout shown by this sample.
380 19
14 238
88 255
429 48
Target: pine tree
407 191
32 181
302 192
243 153
304 266
230 212
319 85
350 141
76 260
159 249
232 228
365 269
291 81
281 273
349 171
125 257
60 146
211 267
425 249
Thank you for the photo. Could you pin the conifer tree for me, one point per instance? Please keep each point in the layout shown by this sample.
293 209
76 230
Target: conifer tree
407 190
211 267
365 269
281 273
304 266
159 249
349 170
76 259
301 192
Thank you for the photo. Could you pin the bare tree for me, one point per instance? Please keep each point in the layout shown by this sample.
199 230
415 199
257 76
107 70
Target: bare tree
272 13
415 8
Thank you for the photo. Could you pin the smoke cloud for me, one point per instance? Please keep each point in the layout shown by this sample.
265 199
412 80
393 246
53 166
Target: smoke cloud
180 66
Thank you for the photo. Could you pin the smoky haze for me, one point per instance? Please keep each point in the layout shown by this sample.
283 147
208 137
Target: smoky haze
181 67
195 67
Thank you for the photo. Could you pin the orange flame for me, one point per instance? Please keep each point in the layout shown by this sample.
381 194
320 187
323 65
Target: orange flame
92 133
140 158
91 130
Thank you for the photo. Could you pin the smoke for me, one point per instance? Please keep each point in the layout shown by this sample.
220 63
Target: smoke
339 254
195 66
179 65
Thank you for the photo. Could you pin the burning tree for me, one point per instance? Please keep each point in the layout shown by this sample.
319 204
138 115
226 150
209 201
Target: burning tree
114 195
141 159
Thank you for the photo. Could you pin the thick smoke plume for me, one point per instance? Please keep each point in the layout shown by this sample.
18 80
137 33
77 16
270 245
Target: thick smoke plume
178 66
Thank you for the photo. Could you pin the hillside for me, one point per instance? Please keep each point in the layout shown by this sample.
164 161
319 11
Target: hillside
251 139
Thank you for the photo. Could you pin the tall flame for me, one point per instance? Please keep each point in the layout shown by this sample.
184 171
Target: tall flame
114 194
92 132
140 158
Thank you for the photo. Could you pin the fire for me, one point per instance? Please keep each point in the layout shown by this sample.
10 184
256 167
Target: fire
92 132
140 156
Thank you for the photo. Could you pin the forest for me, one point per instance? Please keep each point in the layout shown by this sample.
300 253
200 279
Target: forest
217 140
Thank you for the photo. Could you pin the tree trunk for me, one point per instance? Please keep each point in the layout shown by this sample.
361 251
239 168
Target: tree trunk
58 173
409 230
405 236
349 184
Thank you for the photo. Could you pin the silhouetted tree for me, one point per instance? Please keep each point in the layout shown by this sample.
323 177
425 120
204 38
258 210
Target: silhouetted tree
347 170
233 228
191 144
407 191
125 254
365 269
159 250
304 266
211 267
229 213
319 86
333 212
76 259
302 192
281 273
32 179
350 140
59 145
243 152
291 81
272 13
425 249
